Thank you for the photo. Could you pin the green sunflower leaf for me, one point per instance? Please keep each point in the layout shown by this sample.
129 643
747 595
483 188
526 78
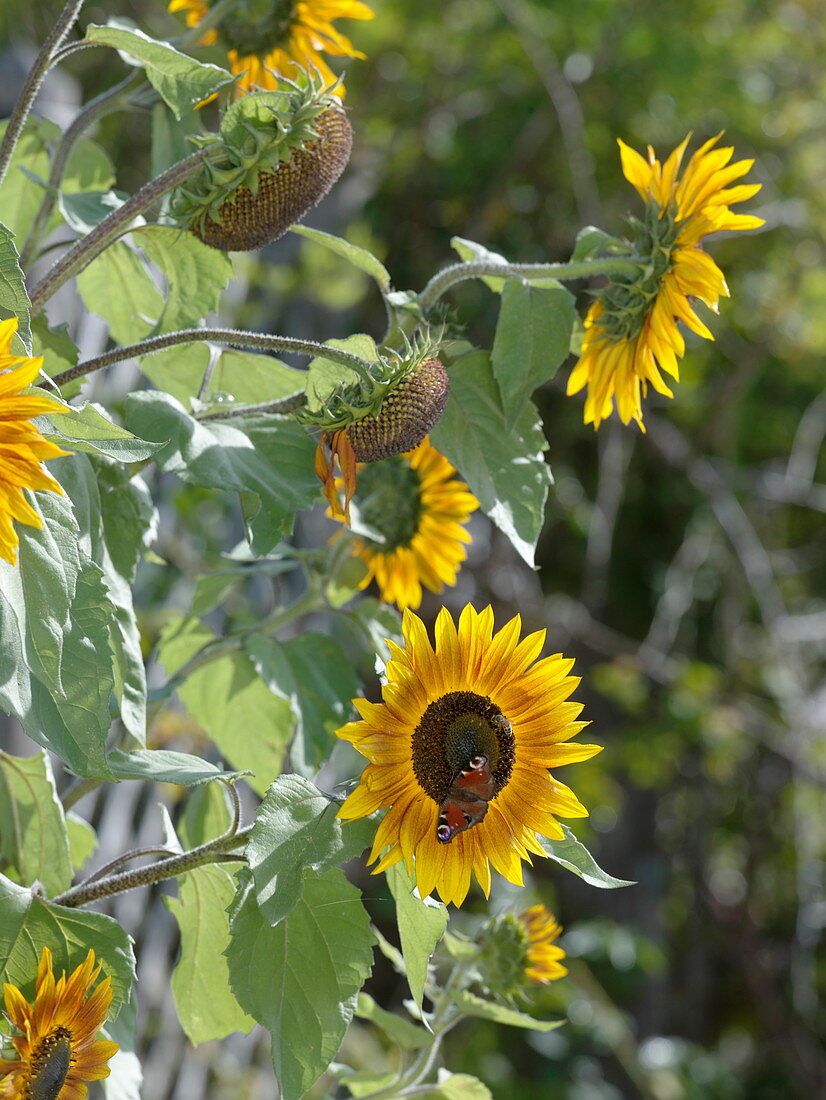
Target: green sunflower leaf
359 257
459 1086
590 242
206 814
313 674
300 979
180 81
421 925
55 657
28 923
326 376
14 301
195 274
34 842
404 1033
504 467
200 981
59 351
472 1005
117 286
89 169
165 766
83 839
250 725
533 334
575 856
84 210
295 828
89 428
115 514
269 462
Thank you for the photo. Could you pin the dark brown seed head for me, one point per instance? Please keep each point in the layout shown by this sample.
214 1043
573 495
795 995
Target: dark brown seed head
406 416
284 195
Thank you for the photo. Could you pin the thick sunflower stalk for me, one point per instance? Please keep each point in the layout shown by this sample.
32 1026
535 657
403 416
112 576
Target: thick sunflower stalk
251 671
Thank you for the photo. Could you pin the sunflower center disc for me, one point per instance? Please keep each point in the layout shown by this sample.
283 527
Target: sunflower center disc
389 501
50 1065
452 730
257 26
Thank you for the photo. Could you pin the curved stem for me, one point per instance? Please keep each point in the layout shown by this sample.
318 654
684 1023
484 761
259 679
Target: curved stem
445 1018
127 857
576 269
43 62
106 103
237 337
284 405
73 47
216 851
118 222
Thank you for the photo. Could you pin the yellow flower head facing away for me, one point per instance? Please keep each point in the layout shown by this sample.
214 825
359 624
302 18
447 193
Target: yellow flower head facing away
519 951
459 751
631 330
22 446
57 1051
419 511
265 39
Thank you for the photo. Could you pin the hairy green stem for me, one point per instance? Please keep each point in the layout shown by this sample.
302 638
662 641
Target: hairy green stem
576 269
215 851
106 103
43 62
282 406
237 337
78 789
117 223
445 1017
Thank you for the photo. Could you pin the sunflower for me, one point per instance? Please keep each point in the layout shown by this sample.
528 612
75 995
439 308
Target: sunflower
57 1051
419 510
631 330
542 957
265 39
22 447
459 750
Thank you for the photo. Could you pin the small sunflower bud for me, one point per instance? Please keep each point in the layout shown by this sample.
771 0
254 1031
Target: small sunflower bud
406 416
281 152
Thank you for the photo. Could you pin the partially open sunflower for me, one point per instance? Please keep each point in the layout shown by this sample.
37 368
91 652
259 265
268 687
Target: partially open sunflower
57 1051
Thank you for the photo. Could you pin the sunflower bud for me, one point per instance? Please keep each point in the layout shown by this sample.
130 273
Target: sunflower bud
517 951
384 415
283 151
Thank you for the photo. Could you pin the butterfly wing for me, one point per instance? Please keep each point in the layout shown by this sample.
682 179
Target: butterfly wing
467 800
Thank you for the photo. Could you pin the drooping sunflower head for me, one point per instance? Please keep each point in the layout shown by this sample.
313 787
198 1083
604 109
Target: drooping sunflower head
519 950
265 39
417 511
466 731
22 446
631 330
377 417
278 154
57 1051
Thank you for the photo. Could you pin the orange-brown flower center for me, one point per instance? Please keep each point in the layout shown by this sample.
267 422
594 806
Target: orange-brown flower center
50 1065
453 729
